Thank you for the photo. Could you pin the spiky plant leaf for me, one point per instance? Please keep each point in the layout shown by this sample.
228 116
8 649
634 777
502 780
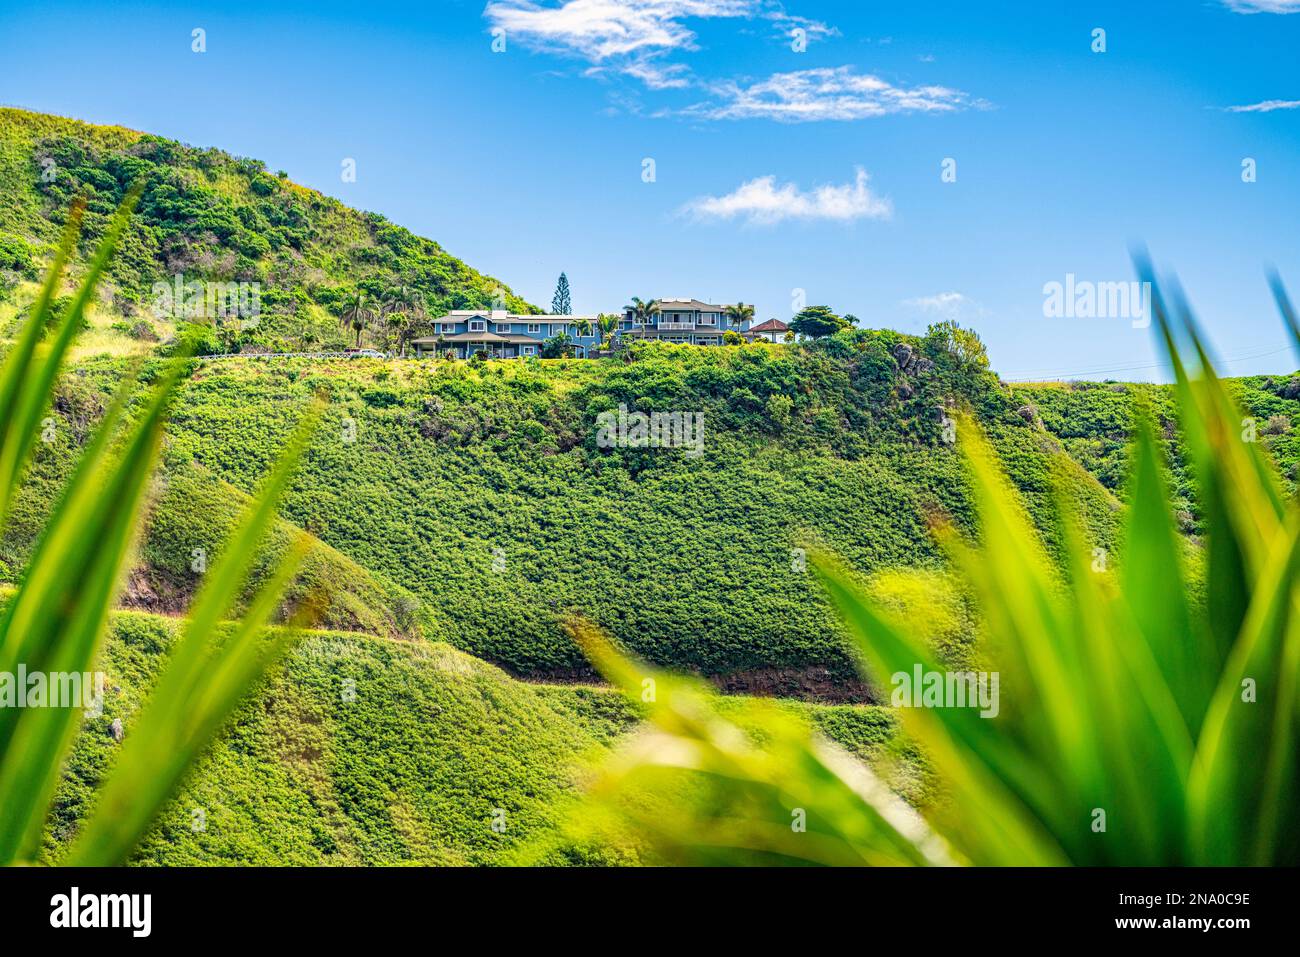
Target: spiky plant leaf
54 622
1139 723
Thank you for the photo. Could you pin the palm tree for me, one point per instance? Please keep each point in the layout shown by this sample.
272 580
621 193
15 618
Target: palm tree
402 307
739 314
607 323
583 326
356 314
643 310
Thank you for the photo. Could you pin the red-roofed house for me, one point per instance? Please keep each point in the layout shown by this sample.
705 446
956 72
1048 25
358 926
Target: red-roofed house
773 330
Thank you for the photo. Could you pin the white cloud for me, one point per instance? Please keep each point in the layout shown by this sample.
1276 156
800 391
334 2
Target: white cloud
762 201
632 36
1266 106
657 76
946 305
599 29
826 93
1263 6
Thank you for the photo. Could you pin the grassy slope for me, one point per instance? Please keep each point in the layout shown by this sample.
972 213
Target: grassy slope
410 771
1092 422
192 514
212 216
687 560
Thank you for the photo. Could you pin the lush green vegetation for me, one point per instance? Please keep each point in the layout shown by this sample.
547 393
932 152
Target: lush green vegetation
211 216
481 490
1122 717
1094 422
446 510
52 624
362 750
356 751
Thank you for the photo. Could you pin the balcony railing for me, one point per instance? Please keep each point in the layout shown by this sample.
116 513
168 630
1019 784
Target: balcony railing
676 325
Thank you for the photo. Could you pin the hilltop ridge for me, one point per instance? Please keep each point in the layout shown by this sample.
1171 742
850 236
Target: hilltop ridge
208 215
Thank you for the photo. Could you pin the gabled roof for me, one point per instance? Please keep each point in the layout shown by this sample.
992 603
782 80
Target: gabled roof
512 339
468 337
460 315
688 304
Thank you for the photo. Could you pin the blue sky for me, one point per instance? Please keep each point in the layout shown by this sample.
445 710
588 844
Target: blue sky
775 169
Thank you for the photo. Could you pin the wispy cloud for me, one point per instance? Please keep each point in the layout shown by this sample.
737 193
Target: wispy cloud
599 29
654 74
632 37
1263 6
762 201
828 93
946 305
1265 106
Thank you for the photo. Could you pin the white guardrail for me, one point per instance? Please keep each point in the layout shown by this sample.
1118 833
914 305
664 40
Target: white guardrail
295 355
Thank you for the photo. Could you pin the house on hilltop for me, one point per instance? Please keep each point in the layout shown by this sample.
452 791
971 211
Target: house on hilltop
504 335
686 321
773 330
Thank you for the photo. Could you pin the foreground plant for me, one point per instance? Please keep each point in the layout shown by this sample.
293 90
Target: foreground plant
54 623
1143 717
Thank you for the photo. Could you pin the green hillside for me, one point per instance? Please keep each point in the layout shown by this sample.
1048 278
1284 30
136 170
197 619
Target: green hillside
460 512
482 490
210 216
1092 420
192 514
361 750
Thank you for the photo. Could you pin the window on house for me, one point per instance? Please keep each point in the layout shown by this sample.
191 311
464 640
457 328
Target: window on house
709 319
530 350
477 325
504 327
534 327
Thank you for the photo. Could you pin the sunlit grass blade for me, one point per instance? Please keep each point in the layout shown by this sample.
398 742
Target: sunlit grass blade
753 793
34 386
1123 692
202 682
1239 807
55 622
1284 306
1227 570
994 777
1154 583
1022 596
17 368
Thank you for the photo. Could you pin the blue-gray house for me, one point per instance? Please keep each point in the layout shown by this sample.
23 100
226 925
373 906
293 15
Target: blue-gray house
684 321
503 335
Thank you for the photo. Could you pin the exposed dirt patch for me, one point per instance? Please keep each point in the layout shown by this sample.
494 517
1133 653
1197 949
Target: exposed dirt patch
815 684
146 591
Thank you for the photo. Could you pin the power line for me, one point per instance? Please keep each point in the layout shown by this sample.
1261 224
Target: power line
1036 377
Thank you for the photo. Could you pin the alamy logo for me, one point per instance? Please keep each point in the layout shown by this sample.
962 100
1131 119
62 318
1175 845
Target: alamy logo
656 430
946 689
133 911
53 689
206 300
1083 299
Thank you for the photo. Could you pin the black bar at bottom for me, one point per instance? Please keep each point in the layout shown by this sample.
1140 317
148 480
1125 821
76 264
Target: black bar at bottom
256 905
